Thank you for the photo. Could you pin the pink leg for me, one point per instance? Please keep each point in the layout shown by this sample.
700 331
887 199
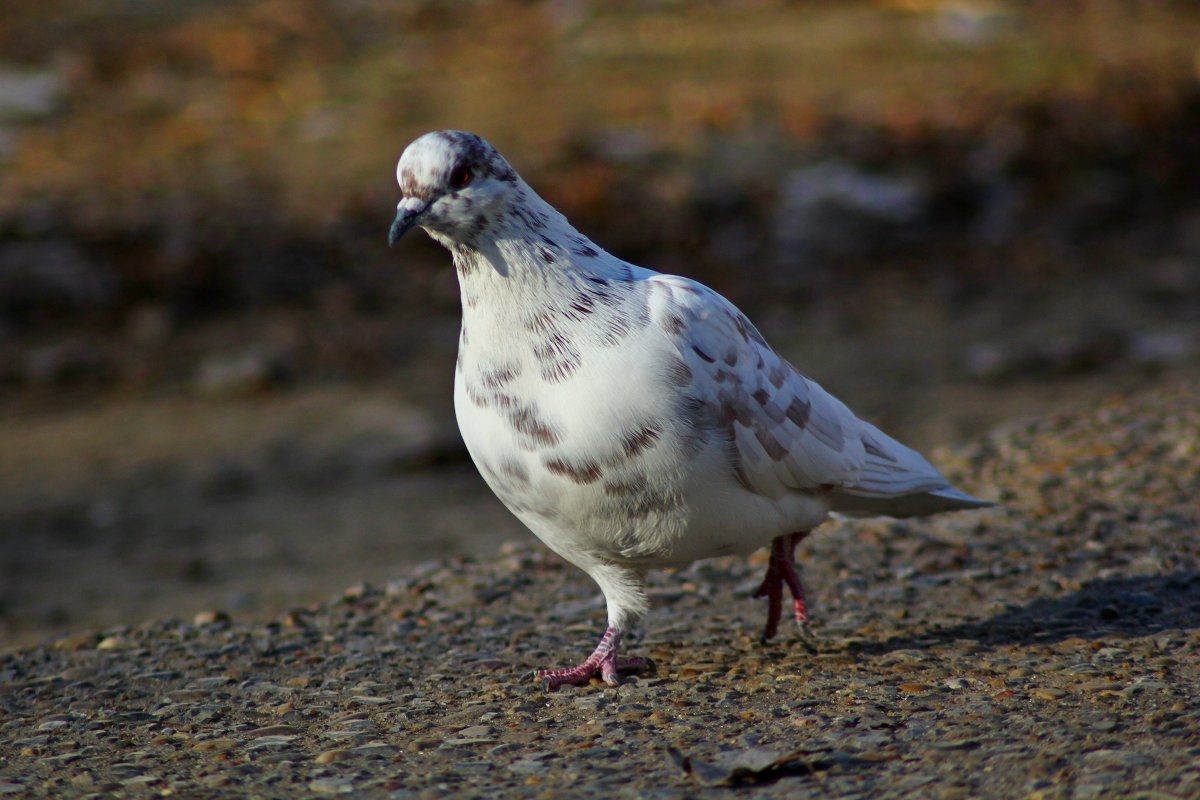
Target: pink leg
603 660
781 569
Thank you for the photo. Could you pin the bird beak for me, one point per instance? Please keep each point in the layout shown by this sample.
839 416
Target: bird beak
407 212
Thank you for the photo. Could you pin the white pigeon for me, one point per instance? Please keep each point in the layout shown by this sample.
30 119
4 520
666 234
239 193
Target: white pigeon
630 419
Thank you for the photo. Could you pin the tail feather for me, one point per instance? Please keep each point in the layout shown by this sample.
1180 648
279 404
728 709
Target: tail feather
907 505
897 481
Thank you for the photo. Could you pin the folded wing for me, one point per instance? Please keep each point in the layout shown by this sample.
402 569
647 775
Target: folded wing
785 432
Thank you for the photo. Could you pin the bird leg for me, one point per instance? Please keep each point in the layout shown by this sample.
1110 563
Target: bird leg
603 660
781 569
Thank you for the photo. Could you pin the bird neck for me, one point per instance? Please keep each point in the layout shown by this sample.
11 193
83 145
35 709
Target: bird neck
529 257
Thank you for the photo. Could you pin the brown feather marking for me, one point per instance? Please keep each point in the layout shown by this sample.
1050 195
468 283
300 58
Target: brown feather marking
679 373
584 473
673 324
495 378
626 487
515 470
642 439
740 324
799 411
770 444
526 421
638 499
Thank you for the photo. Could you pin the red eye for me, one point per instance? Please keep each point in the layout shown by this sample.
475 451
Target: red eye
459 177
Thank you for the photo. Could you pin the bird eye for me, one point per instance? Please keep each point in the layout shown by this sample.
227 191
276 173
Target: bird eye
459 177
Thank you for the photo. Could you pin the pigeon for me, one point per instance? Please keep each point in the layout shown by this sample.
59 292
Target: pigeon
635 420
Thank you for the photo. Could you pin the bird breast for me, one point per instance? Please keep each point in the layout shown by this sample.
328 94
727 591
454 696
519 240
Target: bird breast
570 445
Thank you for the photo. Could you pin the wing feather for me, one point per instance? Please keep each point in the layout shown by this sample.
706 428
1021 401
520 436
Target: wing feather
785 432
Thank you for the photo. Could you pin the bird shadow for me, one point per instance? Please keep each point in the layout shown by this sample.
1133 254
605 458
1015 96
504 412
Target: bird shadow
1115 606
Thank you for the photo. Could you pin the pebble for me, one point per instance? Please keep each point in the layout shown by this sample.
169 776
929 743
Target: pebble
215 745
113 643
1117 758
477 732
211 617
915 688
590 702
375 750
74 642
275 730
331 786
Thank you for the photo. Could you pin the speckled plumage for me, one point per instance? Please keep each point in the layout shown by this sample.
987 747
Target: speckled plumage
631 419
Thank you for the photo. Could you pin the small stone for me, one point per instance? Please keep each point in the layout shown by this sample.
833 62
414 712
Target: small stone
1117 758
113 643
215 745
590 702
275 730
213 617
375 750
1048 693
476 767
330 756
271 743
331 786
76 642
955 744
914 688
1099 686
477 732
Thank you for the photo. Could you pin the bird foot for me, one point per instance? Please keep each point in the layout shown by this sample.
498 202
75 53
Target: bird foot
602 661
781 569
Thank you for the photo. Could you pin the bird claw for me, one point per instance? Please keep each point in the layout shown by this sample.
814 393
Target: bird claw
602 661
582 675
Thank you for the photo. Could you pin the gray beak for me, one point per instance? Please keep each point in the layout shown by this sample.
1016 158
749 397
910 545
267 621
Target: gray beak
407 213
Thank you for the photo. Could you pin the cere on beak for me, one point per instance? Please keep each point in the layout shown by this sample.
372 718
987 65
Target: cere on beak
407 212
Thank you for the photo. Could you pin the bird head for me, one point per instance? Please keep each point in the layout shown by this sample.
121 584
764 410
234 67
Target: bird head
454 185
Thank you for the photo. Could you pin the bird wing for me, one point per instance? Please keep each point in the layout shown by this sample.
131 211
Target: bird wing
786 433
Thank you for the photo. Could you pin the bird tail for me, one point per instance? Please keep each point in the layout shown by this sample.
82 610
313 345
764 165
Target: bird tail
897 481
907 505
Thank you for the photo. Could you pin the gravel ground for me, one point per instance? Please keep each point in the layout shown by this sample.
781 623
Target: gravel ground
1049 648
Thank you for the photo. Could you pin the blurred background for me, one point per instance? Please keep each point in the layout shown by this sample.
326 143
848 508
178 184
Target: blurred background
220 390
